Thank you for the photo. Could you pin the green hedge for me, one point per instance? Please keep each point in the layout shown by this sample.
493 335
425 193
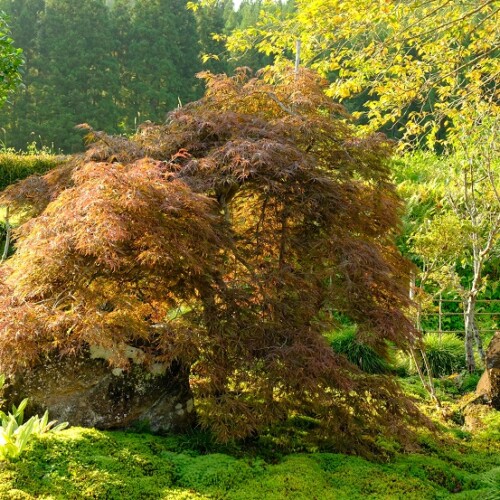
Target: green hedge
16 166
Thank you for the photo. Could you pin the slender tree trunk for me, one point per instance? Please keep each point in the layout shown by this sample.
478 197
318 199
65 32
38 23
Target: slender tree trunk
429 383
479 342
481 249
471 330
469 316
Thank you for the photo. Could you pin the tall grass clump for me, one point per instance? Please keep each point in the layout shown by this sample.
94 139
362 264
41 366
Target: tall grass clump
445 353
345 342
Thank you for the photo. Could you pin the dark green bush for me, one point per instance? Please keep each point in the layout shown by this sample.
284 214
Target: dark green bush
469 382
15 166
365 357
3 233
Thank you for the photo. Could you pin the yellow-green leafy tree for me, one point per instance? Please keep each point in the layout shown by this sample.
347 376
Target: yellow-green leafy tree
425 61
427 68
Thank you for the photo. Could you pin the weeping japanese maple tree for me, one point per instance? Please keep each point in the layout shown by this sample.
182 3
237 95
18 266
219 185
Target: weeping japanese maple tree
224 239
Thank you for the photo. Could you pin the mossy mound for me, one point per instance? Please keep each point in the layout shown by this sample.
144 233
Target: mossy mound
84 463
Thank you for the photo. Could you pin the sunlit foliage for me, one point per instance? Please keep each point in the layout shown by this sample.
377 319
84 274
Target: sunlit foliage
10 61
423 65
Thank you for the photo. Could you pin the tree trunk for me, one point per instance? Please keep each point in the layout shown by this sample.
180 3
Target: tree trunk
469 316
471 331
479 342
429 384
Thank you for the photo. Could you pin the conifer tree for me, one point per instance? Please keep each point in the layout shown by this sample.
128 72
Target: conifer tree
77 75
158 53
71 75
213 19
17 118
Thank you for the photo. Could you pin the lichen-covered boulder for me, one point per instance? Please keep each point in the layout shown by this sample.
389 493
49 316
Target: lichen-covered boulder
489 384
474 416
85 391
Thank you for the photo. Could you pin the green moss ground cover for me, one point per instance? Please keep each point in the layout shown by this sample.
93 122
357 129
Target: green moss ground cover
85 463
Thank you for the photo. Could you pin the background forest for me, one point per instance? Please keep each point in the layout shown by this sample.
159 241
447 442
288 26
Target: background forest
112 64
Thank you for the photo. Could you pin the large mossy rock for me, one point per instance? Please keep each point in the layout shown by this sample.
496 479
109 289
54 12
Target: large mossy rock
489 384
85 391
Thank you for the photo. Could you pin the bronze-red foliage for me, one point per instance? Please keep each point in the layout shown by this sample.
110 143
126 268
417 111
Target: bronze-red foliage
223 238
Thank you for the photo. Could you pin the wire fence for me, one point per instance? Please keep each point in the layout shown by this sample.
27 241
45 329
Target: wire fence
434 319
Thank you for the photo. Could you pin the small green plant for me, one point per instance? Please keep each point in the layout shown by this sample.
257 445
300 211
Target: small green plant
15 434
469 382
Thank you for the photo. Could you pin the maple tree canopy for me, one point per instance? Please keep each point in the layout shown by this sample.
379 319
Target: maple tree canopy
225 239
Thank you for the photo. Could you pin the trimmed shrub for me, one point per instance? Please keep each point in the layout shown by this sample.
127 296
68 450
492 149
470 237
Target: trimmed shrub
16 166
